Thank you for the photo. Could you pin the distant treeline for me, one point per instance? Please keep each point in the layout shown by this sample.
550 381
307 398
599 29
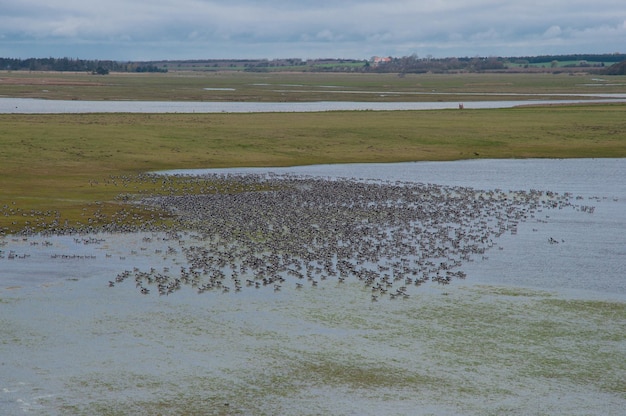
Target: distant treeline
76 65
614 57
553 63
599 63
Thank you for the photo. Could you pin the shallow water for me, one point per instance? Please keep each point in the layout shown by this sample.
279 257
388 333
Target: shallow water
41 106
521 335
595 244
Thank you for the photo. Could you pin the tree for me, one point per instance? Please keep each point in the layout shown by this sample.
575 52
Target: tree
101 71
616 69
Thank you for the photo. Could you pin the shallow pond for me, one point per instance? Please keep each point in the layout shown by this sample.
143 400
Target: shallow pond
537 327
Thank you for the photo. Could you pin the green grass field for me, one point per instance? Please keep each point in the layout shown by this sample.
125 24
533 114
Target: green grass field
65 162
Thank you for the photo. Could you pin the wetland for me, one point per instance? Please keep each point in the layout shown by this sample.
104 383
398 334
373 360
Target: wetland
486 284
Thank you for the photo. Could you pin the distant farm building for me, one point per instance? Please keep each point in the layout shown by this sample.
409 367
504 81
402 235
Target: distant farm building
377 60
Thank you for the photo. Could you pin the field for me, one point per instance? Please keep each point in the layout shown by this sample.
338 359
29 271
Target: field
293 87
64 163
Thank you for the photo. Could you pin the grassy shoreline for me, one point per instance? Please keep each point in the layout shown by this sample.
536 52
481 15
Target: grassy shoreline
69 162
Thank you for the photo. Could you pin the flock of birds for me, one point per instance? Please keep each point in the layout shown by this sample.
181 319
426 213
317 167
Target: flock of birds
230 232
271 231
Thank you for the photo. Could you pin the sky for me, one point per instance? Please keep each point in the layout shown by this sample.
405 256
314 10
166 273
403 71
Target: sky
308 29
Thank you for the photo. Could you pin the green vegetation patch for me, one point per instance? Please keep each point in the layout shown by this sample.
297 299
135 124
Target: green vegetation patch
77 165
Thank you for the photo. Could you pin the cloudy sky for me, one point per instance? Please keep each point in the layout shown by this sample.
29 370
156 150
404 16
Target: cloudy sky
196 29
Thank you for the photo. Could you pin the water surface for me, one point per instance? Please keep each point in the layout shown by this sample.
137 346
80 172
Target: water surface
537 319
41 106
593 256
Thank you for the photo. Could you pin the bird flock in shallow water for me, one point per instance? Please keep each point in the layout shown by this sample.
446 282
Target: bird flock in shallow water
236 232
305 232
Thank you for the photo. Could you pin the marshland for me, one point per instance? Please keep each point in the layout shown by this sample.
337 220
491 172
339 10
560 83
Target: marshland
371 262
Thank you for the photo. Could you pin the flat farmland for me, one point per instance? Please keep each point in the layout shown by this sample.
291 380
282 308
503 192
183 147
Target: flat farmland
301 87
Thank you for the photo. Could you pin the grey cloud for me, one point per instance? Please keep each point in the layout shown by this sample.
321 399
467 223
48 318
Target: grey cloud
276 28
